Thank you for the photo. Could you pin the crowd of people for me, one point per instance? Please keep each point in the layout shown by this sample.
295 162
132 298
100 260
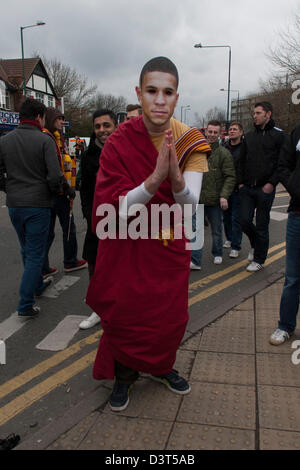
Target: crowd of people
138 287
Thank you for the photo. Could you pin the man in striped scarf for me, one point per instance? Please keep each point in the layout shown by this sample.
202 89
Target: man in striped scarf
62 207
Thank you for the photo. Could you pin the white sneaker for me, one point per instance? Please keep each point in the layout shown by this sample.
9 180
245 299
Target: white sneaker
227 244
195 267
233 254
279 336
90 322
218 260
251 254
253 267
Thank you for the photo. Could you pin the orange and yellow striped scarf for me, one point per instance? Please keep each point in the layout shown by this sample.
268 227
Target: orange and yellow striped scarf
191 141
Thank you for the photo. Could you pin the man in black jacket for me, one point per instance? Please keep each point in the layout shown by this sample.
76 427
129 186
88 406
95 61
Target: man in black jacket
104 124
257 176
231 217
289 171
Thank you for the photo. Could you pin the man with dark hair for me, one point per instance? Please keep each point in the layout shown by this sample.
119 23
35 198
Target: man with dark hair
140 283
104 124
289 175
257 176
217 187
231 217
133 110
30 176
62 207
161 64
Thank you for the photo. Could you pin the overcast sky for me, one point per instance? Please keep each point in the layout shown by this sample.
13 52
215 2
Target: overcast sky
108 41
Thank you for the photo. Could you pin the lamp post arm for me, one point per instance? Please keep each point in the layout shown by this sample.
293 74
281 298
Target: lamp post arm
23 66
229 83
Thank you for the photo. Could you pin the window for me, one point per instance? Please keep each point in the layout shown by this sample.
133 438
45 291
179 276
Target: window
39 97
51 101
39 83
4 97
29 93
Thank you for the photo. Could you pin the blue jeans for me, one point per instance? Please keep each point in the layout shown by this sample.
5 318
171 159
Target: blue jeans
231 221
289 304
258 234
32 227
214 214
61 209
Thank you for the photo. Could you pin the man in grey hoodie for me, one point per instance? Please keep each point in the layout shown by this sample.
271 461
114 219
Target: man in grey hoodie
30 176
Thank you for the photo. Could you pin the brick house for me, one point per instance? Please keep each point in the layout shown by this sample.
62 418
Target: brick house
38 86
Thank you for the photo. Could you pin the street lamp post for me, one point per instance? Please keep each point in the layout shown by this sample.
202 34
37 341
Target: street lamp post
229 73
188 106
186 109
238 101
38 23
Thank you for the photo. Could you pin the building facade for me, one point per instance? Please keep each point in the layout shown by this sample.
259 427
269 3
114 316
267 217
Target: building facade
37 85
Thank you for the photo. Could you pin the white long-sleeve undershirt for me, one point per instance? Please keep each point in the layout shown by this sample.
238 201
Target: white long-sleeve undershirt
189 195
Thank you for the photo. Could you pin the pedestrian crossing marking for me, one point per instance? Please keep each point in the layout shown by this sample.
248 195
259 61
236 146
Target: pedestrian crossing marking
11 325
14 323
279 216
59 338
63 284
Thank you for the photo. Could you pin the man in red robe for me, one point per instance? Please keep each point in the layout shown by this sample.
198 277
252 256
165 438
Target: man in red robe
140 284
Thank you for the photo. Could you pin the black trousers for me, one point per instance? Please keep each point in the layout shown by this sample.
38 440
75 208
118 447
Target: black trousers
254 198
124 374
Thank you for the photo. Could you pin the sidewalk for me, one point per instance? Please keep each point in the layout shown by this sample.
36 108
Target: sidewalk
245 394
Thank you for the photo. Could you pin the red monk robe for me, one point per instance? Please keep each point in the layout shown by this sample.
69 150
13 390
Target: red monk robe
139 287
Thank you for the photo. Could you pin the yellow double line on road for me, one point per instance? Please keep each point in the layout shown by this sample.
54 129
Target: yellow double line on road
29 397
232 280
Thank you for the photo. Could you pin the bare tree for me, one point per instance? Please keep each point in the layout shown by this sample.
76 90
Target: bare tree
70 85
286 55
215 113
199 121
108 101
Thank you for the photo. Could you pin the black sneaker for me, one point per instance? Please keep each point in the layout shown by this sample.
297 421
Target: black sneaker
119 398
174 382
46 284
33 312
9 442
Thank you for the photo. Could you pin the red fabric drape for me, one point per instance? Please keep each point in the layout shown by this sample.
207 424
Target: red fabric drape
139 287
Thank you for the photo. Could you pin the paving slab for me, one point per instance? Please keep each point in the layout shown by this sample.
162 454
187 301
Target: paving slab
279 407
192 344
227 368
184 362
277 369
73 438
232 406
269 298
233 333
279 440
246 305
198 437
104 431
